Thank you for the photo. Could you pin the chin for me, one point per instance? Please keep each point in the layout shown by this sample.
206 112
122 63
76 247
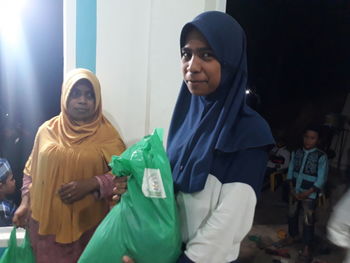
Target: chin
196 92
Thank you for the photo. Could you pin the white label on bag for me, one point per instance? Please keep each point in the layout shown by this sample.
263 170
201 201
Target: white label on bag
152 184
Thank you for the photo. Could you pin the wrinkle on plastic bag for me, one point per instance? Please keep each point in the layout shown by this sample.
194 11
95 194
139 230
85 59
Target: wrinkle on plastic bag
144 225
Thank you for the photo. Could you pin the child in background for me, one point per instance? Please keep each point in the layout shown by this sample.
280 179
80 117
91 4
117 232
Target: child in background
7 186
307 174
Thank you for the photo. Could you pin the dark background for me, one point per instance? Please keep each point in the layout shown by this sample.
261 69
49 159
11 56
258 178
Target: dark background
298 59
30 82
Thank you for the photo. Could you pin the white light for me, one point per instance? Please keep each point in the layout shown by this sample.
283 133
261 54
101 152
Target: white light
10 20
247 91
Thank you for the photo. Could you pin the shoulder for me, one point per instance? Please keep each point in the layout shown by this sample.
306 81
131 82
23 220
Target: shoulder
246 166
298 151
243 155
320 154
47 124
259 128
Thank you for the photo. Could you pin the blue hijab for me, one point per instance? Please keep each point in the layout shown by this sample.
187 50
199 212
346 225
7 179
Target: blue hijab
221 121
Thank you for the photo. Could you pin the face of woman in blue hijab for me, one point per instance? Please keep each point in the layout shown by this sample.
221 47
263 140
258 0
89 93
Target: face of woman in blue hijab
201 70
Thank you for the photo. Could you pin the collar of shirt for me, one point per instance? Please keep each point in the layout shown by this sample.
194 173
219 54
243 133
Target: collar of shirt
309 151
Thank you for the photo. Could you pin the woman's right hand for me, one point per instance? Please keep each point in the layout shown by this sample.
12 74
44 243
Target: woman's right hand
21 215
121 185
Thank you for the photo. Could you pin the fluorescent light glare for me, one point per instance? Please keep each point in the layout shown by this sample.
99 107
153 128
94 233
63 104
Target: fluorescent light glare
10 20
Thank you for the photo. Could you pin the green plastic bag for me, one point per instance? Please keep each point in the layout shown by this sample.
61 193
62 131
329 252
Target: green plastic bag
18 254
144 225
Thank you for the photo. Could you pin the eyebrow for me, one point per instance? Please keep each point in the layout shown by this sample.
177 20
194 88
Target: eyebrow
198 49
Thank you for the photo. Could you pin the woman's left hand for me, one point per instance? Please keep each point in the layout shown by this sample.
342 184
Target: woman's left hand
76 190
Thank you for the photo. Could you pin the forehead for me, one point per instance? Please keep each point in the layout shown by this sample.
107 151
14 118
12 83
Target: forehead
194 36
82 87
311 133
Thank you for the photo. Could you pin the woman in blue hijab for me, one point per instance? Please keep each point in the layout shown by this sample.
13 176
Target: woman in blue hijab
217 146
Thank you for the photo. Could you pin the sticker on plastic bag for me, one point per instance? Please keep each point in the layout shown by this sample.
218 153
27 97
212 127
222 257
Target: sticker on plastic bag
152 184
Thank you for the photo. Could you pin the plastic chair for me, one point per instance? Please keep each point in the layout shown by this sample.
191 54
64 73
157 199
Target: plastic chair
273 179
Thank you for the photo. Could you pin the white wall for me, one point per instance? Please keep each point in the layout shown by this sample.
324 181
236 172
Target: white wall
138 58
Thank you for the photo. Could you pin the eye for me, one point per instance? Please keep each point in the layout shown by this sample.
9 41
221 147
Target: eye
74 93
90 95
207 55
186 55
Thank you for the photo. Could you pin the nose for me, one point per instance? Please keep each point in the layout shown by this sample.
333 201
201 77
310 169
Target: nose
82 99
194 64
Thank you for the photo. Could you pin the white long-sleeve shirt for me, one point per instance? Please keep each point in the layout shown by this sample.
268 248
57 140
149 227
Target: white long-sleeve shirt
215 220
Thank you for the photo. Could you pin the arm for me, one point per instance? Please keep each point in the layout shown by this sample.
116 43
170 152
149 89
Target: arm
322 172
27 183
339 223
77 190
290 168
339 229
232 217
106 185
21 214
227 225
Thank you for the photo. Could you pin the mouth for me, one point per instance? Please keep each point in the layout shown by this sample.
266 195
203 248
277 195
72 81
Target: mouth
195 83
82 110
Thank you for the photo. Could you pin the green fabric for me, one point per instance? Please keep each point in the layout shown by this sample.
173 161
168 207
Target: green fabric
18 254
144 225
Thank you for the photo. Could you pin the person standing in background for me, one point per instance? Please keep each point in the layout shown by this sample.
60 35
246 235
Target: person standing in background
66 184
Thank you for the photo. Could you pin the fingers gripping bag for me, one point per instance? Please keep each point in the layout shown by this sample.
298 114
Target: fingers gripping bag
144 225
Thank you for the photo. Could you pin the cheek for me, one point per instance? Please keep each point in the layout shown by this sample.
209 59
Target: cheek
183 69
216 70
216 73
92 106
70 104
218 79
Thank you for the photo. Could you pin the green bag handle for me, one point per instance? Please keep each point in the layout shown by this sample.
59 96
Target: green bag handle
13 238
160 133
26 242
